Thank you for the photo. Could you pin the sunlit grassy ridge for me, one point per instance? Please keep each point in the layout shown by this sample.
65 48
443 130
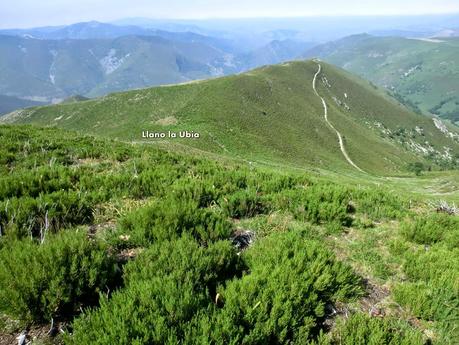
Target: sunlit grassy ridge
269 114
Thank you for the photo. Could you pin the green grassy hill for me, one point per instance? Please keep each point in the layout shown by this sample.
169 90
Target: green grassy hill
423 73
269 114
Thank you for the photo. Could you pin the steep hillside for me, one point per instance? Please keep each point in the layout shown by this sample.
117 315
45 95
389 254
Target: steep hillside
423 73
269 114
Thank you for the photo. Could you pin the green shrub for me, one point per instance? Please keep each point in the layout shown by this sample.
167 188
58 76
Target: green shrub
428 264
169 297
28 216
276 291
417 168
203 192
432 229
44 180
428 301
166 299
185 259
244 203
380 204
432 291
283 298
277 184
169 218
38 282
153 182
318 204
158 311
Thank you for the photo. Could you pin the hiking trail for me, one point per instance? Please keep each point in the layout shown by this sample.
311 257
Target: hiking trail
340 137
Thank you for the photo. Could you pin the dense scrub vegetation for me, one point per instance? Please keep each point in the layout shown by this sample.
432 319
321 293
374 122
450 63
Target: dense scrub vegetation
41 281
132 245
432 270
282 299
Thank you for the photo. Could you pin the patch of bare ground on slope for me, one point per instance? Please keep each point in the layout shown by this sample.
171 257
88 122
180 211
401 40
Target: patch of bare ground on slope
167 121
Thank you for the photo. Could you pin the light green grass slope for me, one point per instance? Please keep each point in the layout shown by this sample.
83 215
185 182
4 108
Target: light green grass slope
269 114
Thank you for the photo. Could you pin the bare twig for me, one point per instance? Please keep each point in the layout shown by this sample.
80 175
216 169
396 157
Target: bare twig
51 328
43 232
443 207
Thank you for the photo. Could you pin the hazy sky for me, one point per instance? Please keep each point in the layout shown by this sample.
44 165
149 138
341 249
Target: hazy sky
28 13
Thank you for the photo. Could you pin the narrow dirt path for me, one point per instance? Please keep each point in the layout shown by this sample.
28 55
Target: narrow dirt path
340 137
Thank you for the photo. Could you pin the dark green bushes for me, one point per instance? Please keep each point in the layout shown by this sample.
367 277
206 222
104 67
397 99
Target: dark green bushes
244 203
187 285
26 216
318 204
431 264
276 184
432 291
432 229
185 259
379 204
38 282
158 311
170 218
203 192
168 296
44 180
417 168
283 299
22 217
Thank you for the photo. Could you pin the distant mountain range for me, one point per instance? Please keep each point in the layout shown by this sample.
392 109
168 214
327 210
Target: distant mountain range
314 28
98 30
49 70
91 59
46 70
8 104
422 73
86 30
